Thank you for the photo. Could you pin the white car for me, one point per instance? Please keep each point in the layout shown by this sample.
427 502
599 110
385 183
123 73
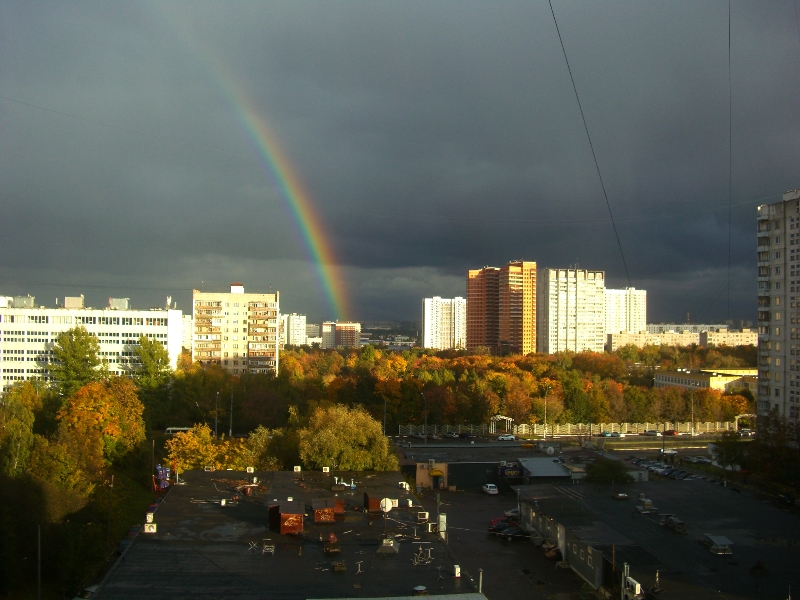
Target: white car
490 488
506 438
513 512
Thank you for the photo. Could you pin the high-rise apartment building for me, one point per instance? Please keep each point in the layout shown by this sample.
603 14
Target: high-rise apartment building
501 308
778 250
341 333
294 329
235 330
626 311
571 310
444 323
28 333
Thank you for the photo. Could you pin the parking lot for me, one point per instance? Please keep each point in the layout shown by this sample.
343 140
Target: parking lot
513 570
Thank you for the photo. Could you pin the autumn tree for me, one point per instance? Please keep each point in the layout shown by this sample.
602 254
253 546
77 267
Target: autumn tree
346 439
152 377
193 449
112 409
76 361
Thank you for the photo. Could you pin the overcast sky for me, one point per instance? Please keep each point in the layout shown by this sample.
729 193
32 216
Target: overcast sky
433 137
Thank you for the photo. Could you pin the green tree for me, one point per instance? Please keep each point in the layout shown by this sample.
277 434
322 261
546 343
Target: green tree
16 426
605 470
154 368
76 361
346 439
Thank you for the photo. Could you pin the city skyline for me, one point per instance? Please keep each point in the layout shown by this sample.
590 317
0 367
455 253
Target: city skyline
360 158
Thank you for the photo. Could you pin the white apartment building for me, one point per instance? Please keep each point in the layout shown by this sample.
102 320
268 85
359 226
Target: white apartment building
571 310
293 329
778 248
235 330
29 332
626 310
444 323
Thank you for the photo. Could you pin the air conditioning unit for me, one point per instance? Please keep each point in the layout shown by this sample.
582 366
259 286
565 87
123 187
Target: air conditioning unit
297 469
326 469
150 528
431 527
148 518
431 463
422 516
251 470
503 463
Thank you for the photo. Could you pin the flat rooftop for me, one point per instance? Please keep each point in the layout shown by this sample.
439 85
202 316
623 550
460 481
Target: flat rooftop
204 549
759 532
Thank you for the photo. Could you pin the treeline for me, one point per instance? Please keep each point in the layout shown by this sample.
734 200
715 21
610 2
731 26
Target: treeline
454 388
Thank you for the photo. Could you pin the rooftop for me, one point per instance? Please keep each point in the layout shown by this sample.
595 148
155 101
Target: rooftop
203 548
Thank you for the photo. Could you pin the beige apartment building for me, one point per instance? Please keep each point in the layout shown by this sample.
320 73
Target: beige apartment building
722 380
572 310
501 308
235 330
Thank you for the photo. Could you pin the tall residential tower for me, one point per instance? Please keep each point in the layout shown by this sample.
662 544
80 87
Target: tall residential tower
778 250
444 323
501 308
571 310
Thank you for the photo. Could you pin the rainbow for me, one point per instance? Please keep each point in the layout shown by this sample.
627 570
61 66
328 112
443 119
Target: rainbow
279 169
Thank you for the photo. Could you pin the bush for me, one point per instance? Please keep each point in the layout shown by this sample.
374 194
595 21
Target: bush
608 471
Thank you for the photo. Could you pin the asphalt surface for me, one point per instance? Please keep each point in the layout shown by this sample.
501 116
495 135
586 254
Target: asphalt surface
514 570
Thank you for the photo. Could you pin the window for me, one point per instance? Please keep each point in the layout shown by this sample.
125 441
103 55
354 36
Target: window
581 554
777 395
589 560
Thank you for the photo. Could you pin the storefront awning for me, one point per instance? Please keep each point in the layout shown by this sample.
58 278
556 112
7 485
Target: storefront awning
436 473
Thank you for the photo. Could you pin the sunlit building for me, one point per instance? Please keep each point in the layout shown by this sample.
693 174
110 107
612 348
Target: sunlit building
626 310
444 323
341 333
235 330
28 333
501 308
571 310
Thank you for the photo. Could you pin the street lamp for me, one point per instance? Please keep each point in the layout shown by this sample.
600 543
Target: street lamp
230 431
546 391
216 411
426 416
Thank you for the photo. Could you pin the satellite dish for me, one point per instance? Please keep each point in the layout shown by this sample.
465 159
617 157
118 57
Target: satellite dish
386 505
550 450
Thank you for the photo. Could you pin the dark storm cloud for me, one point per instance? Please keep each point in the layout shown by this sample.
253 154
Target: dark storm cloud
433 137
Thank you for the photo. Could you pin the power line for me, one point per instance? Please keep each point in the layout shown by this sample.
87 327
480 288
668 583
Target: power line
730 159
589 137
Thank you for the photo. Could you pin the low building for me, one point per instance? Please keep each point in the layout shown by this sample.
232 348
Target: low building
720 379
681 327
29 332
747 337
341 333
544 469
615 341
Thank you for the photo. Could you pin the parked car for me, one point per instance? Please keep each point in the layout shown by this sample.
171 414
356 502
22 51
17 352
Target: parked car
507 437
604 434
513 533
500 525
652 433
451 435
490 488
617 434
620 496
87 592
670 432
466 436
512 513
702 460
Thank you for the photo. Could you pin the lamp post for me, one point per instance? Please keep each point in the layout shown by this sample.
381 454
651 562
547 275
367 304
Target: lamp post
216 411
426 416
546 391
230 430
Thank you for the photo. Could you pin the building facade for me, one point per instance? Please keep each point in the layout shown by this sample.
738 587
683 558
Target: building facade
571 304
29 332
729 338
294 327
615 341
722 380
501 308
681 327
235 330
626 310
341 333
778 248
444 323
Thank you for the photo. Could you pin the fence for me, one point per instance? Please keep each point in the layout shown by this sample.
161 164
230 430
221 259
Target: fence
441 429
626 428
554 429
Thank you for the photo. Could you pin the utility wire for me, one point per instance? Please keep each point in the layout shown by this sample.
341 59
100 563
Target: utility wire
591 146
730 161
